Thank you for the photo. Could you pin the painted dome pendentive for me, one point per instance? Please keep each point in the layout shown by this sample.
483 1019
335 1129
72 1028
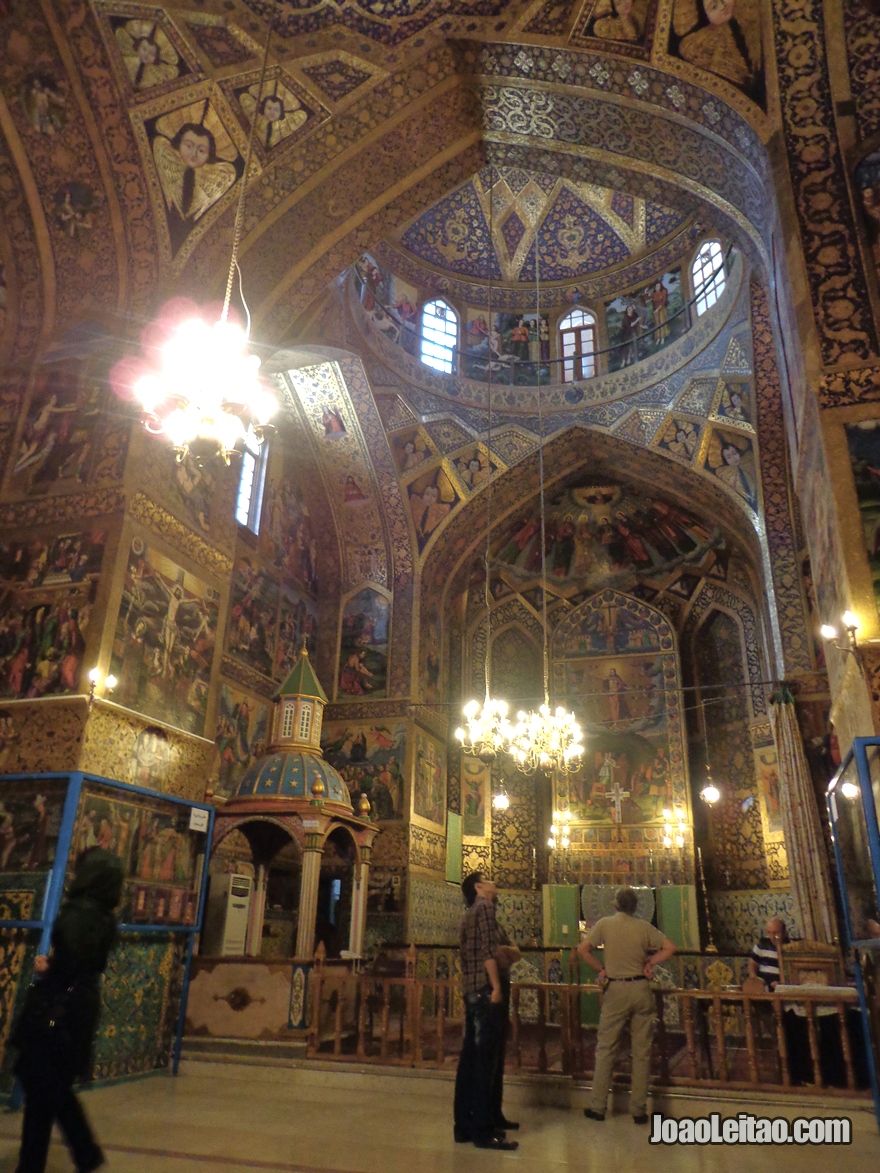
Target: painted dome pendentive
291 775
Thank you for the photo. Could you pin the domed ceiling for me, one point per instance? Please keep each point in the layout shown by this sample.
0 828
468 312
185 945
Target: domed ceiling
578 229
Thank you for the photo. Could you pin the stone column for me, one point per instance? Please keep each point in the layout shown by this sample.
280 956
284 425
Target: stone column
258 909
308 897
359 903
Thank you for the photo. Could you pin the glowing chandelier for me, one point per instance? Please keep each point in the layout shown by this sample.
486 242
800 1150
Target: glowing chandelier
196 382
488 731
545 739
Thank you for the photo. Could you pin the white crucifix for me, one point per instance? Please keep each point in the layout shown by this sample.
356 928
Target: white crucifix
617 795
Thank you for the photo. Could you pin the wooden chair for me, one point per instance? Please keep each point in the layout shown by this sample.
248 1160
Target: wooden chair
810 963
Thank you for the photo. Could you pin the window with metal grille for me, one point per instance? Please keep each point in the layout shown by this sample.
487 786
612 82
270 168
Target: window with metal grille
439 336
577 343
708 275
251 480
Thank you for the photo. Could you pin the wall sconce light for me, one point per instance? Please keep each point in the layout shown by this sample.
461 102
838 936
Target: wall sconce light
110 683
849 790
850 626
501 800
673 828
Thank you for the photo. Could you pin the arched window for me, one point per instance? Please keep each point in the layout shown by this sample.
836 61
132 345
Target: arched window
439 336
250 483
708 275
305 722
577 337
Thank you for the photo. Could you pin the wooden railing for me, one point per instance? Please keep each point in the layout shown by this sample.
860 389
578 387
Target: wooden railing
718 1039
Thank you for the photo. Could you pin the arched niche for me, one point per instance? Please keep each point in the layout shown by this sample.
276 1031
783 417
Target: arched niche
339 855
615 663
510 619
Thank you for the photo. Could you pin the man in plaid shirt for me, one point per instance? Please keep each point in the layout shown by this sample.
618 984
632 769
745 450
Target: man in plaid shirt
483 955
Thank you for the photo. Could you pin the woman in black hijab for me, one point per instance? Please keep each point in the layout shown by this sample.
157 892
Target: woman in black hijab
57 1024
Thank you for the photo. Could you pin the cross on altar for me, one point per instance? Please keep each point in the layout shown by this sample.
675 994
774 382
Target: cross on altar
617 796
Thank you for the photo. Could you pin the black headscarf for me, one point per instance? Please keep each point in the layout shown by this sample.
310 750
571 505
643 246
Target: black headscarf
85 929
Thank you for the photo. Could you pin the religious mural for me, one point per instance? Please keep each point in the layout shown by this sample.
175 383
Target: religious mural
30 819
46 610
391 304
149 759
515 348
429 781
163 645
158 852
287 535
867 183
476 797
767 774
429 670
282 109
242 736
196 162
724 38
733 403
363 646
732 458
645 321
410 449
863 440
605 533
371 758
68 438
680 437
614 20
147 51
474 467
266 622
432 498
614 661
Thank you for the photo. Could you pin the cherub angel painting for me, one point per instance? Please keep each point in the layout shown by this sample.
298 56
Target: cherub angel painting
731 457
45 103
197 163
279 113
724 38
149 56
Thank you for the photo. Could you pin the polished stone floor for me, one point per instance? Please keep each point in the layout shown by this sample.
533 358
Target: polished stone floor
235 1118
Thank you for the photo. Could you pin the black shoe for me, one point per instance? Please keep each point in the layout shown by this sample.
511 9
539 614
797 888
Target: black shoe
96 1162
643 1119
462 1136
507 1125
499 1143
591 1115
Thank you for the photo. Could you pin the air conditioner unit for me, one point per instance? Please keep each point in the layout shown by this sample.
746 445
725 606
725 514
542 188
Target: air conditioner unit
226 916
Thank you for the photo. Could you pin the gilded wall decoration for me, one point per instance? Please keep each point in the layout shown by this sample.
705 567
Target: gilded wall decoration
732 403
427 849
680 437
722 37
337 77
266 621
432 497
715 595
475 799
428 807
192 152
242 736
41 738
200 493
371 758
434 911
553 18
288 531
788 596
395 23
222 41
615 660
390 848
814 486
165 525
510 614
247 678
516 832
343 453
163 646
845 388
866 180
828 235
862 24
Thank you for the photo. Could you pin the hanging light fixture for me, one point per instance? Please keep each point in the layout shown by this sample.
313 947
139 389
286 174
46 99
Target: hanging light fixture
501 799
487 732
710 793
196 381
560 831
545 739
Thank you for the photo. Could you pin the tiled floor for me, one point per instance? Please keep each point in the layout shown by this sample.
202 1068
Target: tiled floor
236 1118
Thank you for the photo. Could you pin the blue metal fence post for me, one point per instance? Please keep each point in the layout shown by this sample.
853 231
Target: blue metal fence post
55 886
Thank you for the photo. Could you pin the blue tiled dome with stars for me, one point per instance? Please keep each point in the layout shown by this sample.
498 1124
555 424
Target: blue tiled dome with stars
291 774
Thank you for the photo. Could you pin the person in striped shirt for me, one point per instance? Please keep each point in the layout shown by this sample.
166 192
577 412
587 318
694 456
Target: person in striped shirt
764 958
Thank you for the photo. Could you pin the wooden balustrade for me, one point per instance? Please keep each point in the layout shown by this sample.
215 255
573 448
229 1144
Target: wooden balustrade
710 1038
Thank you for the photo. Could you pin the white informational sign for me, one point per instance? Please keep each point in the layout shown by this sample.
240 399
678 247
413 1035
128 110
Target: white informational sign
198 819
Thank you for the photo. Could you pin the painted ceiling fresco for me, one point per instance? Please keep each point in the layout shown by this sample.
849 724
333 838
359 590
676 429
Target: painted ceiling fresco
391 22
575 228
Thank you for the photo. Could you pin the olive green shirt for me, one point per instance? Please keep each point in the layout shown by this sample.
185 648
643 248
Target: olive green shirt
628 942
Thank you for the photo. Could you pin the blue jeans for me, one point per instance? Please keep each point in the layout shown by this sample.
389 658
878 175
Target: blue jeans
476 1078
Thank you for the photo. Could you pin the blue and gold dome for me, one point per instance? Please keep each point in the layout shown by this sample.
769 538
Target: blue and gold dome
292 774
293 766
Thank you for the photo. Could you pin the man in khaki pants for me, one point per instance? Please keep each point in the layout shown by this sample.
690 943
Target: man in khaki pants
632 948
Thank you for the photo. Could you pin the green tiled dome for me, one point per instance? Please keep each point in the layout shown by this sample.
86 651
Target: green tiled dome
291 774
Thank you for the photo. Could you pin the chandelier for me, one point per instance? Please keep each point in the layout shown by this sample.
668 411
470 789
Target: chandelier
545 739
488 729
196 382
